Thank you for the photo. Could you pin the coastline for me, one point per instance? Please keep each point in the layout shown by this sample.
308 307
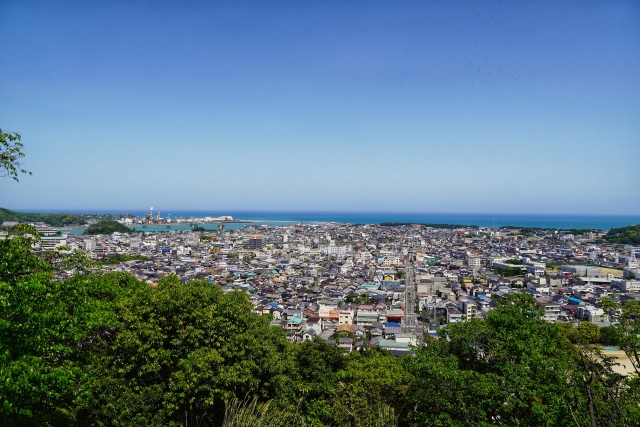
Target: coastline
548 221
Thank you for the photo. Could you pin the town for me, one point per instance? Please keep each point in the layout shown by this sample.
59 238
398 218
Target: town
358 286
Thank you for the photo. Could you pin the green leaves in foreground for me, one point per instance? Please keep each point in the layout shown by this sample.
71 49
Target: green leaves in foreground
180 352
11 155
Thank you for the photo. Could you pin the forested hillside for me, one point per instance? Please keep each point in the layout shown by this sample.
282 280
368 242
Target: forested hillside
110 350
628 235
107 227
54 220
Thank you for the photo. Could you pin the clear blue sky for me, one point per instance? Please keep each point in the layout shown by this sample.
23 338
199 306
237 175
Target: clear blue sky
470 106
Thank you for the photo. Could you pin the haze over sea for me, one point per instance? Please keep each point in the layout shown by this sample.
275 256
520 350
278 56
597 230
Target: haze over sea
603 222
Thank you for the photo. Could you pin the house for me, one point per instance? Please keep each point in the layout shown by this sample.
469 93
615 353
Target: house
366 315
346 328
591 314
453 315
551 309
309 335
346 344
346 317
315 324
394 347
469 309
294 325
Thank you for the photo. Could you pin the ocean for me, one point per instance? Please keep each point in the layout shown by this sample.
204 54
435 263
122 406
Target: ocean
602 222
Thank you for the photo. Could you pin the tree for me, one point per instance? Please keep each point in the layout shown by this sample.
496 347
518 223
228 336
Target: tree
107 227
514 368
181 351
47 331
588 333
10 155
629 332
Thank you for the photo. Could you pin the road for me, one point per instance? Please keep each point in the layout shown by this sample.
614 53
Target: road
410 296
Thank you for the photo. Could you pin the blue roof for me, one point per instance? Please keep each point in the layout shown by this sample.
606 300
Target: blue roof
392 325
574 299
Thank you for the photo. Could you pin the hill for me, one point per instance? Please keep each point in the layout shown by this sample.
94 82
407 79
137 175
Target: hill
107 227
628 235
54 220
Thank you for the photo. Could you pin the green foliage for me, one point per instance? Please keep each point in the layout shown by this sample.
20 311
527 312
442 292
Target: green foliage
185 349
47 331
107 227
588 332
610 335
585 333
10 155
514 369
511 271
200 229
343 390
514 262
54 220
629 235
629 332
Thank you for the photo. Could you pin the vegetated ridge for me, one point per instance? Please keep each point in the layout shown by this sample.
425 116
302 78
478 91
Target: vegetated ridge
107 227
629 235
52 219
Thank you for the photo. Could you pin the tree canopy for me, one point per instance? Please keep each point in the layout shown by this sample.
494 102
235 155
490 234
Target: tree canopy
11 155
629 235
107 227
52 219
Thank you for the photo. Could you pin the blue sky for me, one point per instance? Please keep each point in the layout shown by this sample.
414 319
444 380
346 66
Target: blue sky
483 106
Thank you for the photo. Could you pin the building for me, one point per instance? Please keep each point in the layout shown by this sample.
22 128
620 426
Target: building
337 251
469 309
49 243
551 309
44 230
256 242
90 245
453 315
582 271
367 316
591 314
345 317
474 261
626 285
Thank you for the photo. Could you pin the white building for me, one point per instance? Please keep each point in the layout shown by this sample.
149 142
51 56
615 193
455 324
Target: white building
474 261
626 285
388 260
346 317
337 251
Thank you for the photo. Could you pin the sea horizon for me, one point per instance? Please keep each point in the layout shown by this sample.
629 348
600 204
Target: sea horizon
559 221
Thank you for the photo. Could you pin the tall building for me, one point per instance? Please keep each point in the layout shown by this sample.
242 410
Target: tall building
474 261
256 242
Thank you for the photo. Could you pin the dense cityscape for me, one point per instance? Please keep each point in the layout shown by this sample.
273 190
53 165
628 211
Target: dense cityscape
358 286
